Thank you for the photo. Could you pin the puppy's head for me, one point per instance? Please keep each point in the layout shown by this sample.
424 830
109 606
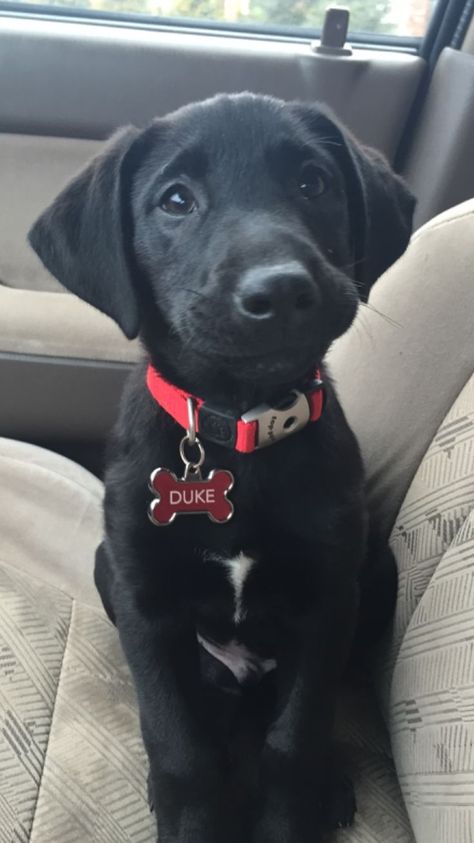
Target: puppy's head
236 235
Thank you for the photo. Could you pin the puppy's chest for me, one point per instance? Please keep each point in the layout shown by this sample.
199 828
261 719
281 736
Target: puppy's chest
243 607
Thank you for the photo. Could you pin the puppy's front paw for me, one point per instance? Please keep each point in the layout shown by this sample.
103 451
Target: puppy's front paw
338 803
287 819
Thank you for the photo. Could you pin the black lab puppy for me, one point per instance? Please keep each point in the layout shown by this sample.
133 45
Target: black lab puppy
236 237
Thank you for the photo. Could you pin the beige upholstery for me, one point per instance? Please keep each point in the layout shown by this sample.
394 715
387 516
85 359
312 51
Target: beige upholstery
406 359
71 760
52 324
72 767
56 345
431 703
32 171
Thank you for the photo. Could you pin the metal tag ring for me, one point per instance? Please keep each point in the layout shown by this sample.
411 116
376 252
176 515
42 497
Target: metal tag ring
191 422
190 464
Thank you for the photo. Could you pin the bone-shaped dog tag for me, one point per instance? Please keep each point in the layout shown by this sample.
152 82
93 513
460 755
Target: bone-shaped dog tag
191 495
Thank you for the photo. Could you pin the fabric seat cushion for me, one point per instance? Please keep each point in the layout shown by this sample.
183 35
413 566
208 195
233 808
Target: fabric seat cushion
401 366
431 693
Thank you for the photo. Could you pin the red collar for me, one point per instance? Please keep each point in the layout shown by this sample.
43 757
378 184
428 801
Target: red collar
261 426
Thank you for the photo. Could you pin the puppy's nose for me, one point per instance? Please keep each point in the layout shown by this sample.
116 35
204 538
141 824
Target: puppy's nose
274 293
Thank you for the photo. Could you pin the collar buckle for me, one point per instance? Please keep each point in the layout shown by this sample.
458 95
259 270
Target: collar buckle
258 427
291 414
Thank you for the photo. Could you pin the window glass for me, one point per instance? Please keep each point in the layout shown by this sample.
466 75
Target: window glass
390 17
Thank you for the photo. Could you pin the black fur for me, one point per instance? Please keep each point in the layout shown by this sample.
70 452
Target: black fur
230 762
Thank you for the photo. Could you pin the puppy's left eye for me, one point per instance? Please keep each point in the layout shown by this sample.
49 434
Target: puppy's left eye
311 181
178 200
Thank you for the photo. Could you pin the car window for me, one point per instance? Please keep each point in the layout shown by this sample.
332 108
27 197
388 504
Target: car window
403 18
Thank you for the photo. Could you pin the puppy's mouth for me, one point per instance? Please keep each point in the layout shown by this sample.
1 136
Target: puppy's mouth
273 366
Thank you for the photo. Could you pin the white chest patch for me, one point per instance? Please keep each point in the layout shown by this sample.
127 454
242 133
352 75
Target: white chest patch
238 568
233 654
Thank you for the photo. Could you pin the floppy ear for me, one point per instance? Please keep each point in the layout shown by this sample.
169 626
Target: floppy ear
82 237
380 204
386 209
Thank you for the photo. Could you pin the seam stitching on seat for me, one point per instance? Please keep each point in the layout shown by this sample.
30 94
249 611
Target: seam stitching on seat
426 451
432 226
428 585
66 643
74 599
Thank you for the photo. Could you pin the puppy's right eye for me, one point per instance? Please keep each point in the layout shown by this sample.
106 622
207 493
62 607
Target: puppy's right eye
311 181
178 200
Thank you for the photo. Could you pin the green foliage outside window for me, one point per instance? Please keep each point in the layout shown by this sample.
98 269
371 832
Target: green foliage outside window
366 15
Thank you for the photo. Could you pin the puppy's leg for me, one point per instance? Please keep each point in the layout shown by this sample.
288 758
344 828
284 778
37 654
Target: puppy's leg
338 800
188 775
298 796
104 578
378 594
